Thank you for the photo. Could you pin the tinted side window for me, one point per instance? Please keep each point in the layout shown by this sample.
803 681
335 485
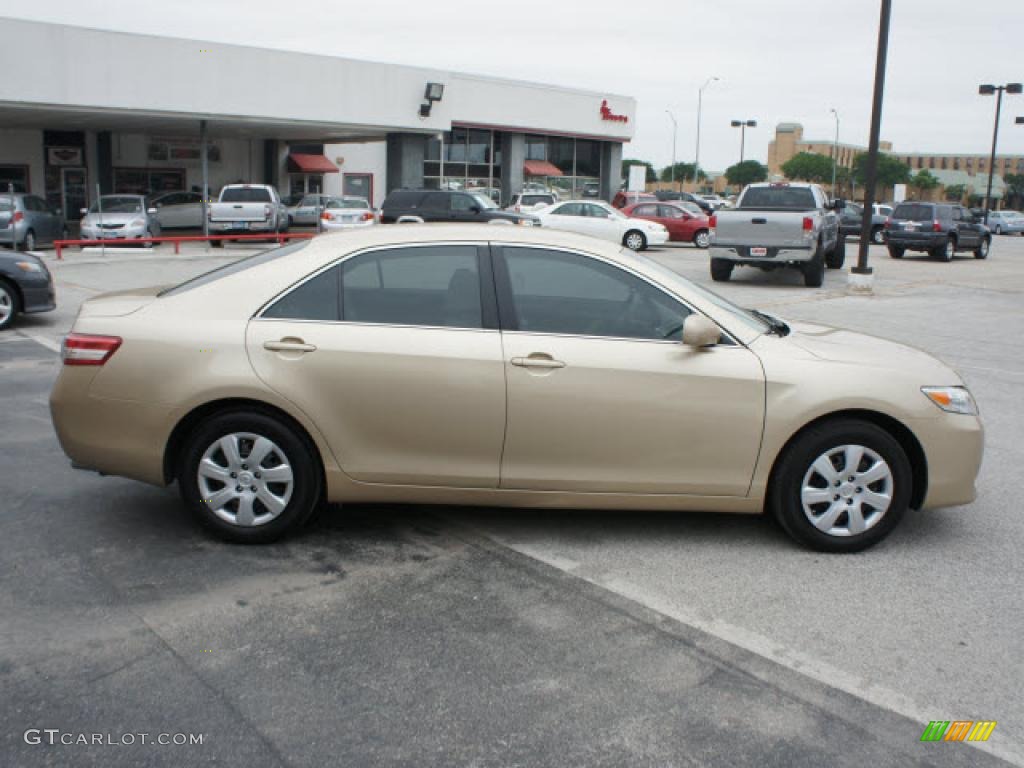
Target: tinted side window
463 202
315 299
557 292
432 285
569 209
435 201
403 198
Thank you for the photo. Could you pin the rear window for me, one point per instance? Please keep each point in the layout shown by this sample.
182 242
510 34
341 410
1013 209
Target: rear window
779 198
235 267
537 199
6 204
913 212
245 195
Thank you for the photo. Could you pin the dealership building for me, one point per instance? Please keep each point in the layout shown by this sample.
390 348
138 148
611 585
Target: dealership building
83 110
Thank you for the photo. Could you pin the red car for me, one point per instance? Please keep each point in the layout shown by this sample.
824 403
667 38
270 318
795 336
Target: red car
683 226
623 198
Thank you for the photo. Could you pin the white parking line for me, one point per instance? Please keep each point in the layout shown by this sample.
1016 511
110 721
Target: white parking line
42 341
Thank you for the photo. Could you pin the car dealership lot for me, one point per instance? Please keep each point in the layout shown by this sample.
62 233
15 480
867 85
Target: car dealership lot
386 629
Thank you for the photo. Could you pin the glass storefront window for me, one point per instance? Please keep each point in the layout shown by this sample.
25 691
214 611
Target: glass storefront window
536 148
588 158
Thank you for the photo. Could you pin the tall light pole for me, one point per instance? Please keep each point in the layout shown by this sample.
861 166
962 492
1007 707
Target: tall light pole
675 126
859 274
743 125
835 152
700 102
988 90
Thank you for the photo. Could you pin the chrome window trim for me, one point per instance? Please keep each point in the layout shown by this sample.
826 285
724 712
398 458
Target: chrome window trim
656 285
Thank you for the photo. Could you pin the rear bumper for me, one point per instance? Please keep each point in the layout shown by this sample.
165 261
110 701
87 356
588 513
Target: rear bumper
918 241
230 227
741 253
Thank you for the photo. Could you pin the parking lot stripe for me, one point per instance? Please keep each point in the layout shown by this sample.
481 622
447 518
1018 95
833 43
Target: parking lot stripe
50 344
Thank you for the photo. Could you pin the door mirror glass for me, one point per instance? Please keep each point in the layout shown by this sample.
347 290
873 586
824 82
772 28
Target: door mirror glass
474 209
699 331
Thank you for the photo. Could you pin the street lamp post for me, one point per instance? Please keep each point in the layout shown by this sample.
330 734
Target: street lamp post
835 152
988 90
700 103
743 125
859 274
675 126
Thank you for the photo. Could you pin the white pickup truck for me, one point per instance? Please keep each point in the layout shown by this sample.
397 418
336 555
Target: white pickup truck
245 209
778 225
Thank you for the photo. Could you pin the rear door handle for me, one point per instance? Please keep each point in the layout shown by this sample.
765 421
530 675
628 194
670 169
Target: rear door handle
537 360
759 221
289 345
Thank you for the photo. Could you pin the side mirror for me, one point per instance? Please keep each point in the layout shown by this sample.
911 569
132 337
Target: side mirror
838 204
474 209
151 211
700 331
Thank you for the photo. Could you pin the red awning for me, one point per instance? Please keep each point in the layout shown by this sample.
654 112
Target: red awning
540 168
299 163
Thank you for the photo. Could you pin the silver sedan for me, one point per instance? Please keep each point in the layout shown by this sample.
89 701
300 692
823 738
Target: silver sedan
119 217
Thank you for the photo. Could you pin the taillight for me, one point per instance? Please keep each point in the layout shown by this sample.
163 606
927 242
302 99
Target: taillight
713 221
85 349
888 223
519 208
327 216
266 211
808 224
18 216
368 216
936 226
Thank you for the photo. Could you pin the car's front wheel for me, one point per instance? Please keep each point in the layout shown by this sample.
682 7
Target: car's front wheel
249 477
635 240
841 486
8 305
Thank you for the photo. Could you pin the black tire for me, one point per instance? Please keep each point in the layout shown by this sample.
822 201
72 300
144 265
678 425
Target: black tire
814 270
148 245
29 243
946 251
878 236
301 457
635 240
702 238
217 243
837 257
981 252
11 303
895 252
721 270
999 230
784 497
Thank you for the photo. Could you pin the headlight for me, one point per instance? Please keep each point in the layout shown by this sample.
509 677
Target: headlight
137 223
952 399
29 266
86 222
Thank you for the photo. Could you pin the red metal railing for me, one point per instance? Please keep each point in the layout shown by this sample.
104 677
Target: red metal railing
278 237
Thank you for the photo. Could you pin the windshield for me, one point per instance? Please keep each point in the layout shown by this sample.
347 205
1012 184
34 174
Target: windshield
236 266
116 204
483 201
781 198
668 276
245 195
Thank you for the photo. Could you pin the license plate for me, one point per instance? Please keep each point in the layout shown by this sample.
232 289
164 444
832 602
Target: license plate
910 226
758 251
240 225
348 219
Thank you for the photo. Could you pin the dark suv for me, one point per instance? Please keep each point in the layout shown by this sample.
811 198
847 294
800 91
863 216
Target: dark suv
940 229
428 205
667 195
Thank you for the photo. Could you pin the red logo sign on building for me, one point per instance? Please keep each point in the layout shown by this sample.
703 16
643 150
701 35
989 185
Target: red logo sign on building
607 114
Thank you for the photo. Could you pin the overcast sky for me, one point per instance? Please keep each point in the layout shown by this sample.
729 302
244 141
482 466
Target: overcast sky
778 60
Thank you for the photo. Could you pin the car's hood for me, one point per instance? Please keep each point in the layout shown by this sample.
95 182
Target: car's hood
118 303
843 346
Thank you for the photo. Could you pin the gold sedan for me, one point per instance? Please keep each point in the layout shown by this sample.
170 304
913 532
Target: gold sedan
521 367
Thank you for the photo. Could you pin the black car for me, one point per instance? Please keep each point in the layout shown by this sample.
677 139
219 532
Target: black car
851 218
667 195
25 286
428 205
939 229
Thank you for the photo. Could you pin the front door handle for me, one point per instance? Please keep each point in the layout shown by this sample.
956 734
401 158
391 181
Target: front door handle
289 345
537 360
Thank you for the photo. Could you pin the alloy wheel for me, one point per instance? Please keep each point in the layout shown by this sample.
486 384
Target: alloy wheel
245 479
6 305
703 240
878 237
634 241
30 240
847 490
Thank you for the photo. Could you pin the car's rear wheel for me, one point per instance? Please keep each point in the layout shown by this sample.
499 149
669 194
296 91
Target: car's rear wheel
837 257
8 305
217 243
721 270
249 477
814 270
946 251
702 239
29 243
895 252
981 252
841 486
635 240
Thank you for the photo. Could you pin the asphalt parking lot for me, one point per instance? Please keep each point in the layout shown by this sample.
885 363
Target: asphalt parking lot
440 636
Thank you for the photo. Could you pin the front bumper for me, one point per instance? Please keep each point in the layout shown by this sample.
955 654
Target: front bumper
657 238
38 293
953 446
121 233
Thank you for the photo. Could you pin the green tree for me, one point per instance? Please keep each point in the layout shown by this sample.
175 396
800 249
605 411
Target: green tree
683 172
1014 188
955 192
651 176
747 172
808 166
923 181
890 170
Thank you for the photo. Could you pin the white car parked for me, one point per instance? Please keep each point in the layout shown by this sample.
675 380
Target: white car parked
598 219
346 213
528 202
